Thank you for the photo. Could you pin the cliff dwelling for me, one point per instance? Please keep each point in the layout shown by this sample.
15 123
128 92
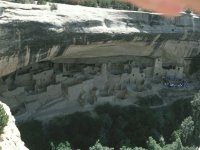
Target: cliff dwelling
110 73
81 83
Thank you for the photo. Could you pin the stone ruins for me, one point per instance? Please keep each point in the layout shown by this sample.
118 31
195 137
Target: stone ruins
50 85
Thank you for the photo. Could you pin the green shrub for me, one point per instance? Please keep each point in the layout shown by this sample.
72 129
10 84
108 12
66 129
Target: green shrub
61 146
98 146
196 116
25 1
118 4
41 2
188 11
187 128
3 118
129 148
104 3
53 7
71 2
89 3
115 4
152 144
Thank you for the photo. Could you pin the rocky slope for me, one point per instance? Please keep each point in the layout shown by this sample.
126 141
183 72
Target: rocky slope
10 138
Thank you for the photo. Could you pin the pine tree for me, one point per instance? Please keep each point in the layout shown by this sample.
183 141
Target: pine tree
196 117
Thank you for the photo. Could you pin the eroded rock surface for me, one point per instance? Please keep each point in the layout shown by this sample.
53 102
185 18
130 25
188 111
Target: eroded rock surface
10 138
30 33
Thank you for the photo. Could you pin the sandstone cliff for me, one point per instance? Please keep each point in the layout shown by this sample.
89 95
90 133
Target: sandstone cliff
30 33
10 138
55 62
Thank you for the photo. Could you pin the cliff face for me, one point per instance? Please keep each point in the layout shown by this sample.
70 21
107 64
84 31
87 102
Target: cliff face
54 62
10 138
30 33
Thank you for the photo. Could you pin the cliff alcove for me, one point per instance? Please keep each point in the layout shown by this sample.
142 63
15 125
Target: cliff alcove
73 59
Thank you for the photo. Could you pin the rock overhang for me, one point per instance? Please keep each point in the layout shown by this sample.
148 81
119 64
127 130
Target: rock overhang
31 33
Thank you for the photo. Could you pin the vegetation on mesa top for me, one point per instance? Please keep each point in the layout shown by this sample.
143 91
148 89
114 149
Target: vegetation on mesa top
3 118
115 4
